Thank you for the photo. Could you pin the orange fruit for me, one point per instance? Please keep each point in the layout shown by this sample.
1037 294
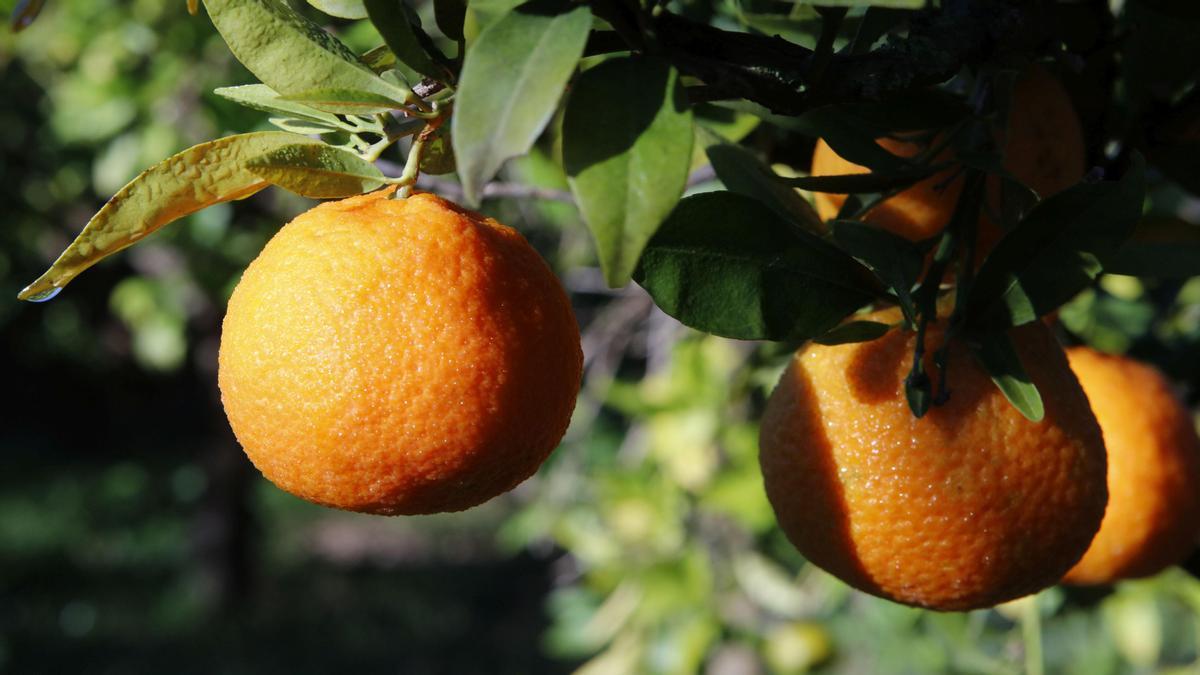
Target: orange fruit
966 507
1153 516
1043 148
398 357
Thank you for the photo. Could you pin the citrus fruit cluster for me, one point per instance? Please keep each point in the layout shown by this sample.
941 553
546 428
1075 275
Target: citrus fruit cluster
973 504
398 356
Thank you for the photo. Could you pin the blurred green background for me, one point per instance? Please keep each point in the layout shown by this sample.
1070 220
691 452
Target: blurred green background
135 537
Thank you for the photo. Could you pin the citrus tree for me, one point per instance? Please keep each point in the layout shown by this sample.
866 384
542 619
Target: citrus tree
765 171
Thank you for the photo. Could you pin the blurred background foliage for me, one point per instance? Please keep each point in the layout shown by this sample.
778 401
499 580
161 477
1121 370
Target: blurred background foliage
135 537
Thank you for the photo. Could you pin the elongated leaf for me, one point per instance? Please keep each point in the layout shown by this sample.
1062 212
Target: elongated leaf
401 30
24 14
896 261
999 358
853 331
725 264
291 54
745 174
438 156
317 171
858 183
896 4
304 127
343 9
511 82
1056 250
626 157
261 97
200 176
344 101
1162 248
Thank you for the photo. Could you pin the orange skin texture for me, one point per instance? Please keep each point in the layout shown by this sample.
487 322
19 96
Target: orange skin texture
1153 516
970 506
1044 149
398 357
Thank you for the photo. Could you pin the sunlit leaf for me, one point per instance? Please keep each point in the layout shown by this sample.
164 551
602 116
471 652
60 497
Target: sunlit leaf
291 54
343 9
317 171
262 97
200 176
626 157
511 82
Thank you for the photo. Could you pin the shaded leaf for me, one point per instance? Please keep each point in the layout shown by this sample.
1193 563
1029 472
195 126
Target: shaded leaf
1056 250
449 15
317 171
1159 248
291 54
743 173
858 183
626 157
343 9
512 80
725 264
200 176
24 14
401 30
438 156
896 261
853 331
999 358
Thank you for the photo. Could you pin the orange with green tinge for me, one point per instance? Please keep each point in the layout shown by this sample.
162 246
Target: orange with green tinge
966 507
398 357
1153 516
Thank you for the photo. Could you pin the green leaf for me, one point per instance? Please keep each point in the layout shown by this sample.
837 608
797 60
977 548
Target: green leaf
291 54
848 139
626 156
343 9
401 30
859 183
898 4
317 171
896 261
449 15
345 101
999 358
200 176
745 174
438 155
24 14
853 331
303 127
261 97
1056 250
512 79
725 264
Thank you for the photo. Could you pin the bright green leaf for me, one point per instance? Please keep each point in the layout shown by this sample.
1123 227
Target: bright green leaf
725 264
318 171
291 54
343 9
626 156
200 176
999 358
511 82
261 97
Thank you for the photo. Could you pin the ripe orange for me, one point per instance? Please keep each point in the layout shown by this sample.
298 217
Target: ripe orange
967 507
1153 516
398 357
1043 148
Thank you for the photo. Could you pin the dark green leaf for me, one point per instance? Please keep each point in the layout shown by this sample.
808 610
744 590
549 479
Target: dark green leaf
1055 252
24 14
745 174
918 391
291 54
317 171
512 79
725 264
853 331
401 30
449 15
849 140
858 183
896 261
438 155
999 358
200 176
626 157
1162 248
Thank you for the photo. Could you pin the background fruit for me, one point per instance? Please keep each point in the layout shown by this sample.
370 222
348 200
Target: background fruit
1153 515
967 507
1043 148
398 356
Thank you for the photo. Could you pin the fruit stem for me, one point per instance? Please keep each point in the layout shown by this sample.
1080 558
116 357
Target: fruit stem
1031 634
412 168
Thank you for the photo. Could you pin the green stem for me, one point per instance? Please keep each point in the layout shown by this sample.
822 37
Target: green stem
1031 633
412 169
